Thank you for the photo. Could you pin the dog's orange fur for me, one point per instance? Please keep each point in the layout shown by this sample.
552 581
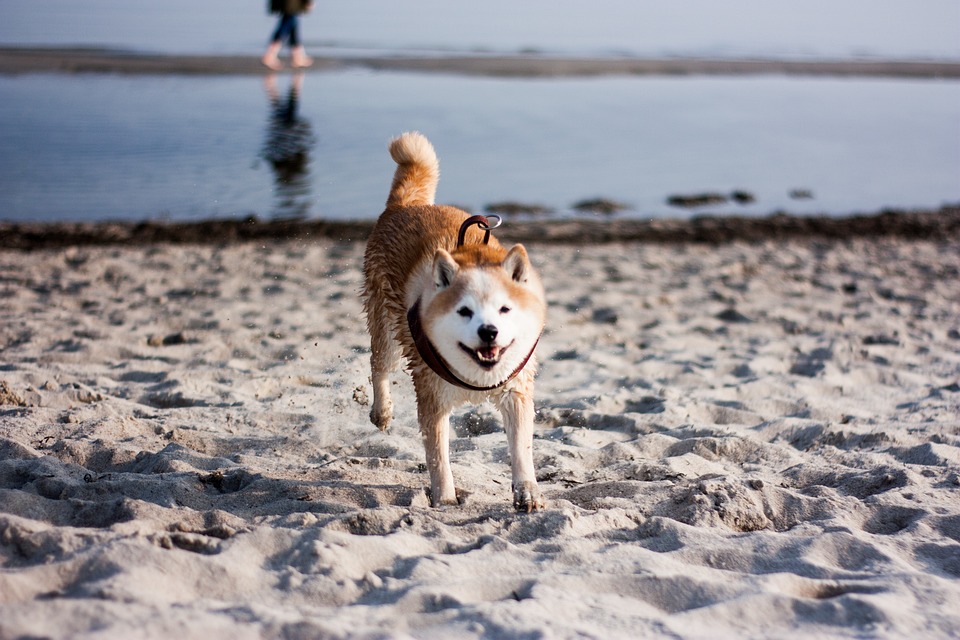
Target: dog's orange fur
410 238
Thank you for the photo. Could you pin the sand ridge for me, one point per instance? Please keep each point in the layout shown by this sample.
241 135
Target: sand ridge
750 439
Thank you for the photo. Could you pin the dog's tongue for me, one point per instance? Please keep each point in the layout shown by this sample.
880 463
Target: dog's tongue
488 353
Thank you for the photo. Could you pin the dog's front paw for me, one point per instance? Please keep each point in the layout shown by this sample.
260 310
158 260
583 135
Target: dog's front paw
527 497
450 498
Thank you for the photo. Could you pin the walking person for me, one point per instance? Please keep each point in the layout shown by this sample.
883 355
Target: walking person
288 28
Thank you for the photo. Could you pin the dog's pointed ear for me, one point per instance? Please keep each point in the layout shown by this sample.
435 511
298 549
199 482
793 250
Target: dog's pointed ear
517 264
444 269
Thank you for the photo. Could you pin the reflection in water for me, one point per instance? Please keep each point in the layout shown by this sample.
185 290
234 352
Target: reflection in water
287 149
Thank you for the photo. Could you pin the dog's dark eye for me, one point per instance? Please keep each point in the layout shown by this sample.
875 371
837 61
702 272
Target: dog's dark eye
504 309
465 312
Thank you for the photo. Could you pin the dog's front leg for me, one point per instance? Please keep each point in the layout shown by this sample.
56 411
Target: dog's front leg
517 410
435 429
381 414
384 358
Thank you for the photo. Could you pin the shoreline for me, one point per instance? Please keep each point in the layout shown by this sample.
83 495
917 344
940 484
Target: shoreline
20 60
905 224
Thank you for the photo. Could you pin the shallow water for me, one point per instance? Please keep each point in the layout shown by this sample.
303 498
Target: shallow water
103 146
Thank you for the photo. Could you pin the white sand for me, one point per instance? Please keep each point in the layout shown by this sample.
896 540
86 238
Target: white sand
735 441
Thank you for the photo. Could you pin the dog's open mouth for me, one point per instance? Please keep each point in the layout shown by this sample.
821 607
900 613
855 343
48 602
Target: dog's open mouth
487 356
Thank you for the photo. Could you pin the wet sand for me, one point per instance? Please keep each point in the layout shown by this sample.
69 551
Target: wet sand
14 60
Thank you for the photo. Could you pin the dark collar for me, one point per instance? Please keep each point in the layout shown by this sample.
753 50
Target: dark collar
433 360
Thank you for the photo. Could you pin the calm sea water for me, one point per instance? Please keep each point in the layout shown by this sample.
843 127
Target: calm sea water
88 147
104 146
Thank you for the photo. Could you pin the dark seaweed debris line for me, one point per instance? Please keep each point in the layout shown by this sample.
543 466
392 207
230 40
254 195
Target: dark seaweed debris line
915 225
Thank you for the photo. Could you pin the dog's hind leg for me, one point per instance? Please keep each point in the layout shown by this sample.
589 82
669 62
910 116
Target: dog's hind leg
384 359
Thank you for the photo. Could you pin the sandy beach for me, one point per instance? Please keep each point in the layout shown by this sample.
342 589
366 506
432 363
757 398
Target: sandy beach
757 436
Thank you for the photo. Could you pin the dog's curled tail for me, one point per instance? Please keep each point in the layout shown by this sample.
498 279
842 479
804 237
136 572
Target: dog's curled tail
418 171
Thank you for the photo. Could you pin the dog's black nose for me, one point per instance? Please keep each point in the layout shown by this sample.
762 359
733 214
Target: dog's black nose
487 333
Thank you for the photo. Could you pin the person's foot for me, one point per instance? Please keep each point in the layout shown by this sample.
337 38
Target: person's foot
270 59
273 64
300 58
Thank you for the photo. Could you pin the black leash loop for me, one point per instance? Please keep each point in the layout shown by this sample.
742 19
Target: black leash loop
481 221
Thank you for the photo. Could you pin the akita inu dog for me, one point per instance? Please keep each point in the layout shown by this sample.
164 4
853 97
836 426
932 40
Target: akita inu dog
465 313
